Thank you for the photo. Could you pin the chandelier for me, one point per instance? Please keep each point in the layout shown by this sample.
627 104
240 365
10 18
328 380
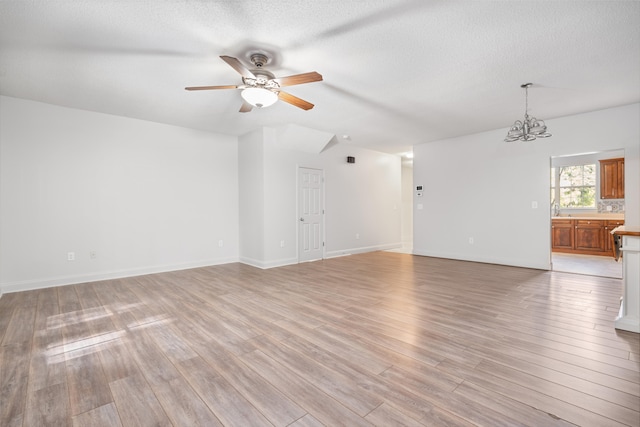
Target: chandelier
529 129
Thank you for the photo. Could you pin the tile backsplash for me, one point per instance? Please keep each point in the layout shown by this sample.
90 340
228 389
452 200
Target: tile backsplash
617 206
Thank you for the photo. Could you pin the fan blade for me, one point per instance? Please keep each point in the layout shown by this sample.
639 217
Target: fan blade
211 87
246 107
237 65
294 100
298 79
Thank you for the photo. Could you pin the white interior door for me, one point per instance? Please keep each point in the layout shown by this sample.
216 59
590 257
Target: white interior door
310 214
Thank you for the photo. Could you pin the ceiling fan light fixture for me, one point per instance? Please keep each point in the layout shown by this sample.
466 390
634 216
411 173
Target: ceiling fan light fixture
259 97
529 129
260 88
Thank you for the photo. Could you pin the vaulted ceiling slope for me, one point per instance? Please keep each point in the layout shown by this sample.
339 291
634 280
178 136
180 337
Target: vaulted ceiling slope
396 72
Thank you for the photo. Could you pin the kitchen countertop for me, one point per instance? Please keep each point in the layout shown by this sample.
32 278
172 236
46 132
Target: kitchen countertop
610 217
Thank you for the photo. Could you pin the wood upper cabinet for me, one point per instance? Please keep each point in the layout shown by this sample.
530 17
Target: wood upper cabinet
589 235
612 178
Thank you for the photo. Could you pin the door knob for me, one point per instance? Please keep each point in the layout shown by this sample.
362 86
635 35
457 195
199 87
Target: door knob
301 219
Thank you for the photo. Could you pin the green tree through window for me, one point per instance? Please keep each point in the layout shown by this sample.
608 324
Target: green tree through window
577 186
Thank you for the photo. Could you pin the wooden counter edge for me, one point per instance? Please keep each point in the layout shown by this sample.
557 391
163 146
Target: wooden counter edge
626 230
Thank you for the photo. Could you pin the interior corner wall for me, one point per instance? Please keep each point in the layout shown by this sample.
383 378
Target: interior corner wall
251 197
126 196
362 198
481 188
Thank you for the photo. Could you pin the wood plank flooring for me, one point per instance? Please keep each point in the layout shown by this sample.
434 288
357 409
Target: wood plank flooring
373 339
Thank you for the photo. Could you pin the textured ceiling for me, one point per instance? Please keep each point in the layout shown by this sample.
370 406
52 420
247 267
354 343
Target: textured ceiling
396 73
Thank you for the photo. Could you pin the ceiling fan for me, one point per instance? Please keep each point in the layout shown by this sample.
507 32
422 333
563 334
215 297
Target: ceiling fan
260 87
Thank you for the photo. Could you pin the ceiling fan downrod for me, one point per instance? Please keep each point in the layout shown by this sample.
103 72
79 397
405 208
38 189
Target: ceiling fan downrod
258 59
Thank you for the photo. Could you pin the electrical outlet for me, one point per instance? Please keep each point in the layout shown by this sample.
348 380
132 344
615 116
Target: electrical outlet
93 255
471 240
357 236
282 243
534 205
220 243
71 256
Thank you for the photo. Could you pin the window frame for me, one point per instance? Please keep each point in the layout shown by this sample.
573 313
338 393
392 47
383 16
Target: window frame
556 188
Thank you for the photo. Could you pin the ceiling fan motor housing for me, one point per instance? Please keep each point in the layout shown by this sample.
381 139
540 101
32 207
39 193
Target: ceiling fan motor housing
263 77
259 59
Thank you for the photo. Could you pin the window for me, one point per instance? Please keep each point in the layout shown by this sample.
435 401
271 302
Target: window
574 186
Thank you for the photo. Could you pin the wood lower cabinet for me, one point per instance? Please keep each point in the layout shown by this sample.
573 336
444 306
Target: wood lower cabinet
583 236
562 234
589 235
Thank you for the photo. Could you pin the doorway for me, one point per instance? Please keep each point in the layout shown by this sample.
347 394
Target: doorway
407 192
310 214
582 217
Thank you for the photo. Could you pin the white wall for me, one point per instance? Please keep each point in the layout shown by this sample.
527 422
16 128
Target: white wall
280 208
148 197
407 204
479 186
145 197
362 198
251 196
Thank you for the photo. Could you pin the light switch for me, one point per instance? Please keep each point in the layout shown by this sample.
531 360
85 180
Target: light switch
419 207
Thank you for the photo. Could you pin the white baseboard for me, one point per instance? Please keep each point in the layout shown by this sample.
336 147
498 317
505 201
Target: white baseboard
485 260
29 285
268 264
631 324
362 250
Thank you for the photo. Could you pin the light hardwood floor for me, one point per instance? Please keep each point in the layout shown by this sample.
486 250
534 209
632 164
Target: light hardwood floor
373 339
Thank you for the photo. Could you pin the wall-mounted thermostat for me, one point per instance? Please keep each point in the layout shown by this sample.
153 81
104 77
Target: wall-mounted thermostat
419 188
